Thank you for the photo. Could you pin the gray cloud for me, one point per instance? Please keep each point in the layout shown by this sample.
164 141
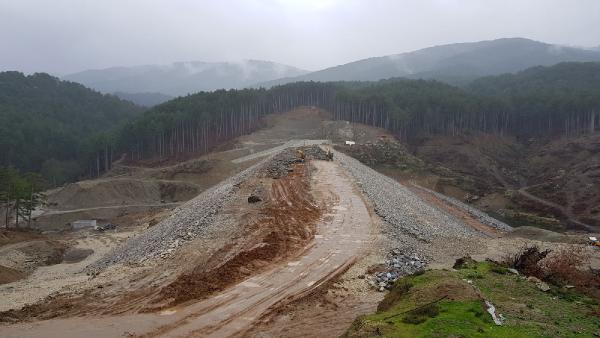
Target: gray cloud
63 36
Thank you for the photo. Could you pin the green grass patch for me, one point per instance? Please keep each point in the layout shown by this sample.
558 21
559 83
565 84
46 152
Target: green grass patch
461 312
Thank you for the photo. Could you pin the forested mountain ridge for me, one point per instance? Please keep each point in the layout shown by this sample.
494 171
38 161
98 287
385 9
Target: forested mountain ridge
49 126
182 78
565 77
194 124
453 63
406 107
544 93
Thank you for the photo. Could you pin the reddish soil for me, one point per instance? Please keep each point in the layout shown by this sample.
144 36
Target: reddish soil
286 223
342 236
286 226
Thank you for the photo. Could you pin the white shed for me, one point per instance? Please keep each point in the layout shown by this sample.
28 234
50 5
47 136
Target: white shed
84 223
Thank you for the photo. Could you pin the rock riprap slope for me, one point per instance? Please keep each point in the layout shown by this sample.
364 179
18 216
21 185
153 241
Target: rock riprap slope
186 223
404 212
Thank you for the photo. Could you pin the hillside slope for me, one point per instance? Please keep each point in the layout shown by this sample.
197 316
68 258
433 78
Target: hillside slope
454 63
48 124
182 78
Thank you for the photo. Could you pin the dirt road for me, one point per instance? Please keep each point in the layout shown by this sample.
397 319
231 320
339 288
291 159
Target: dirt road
341 237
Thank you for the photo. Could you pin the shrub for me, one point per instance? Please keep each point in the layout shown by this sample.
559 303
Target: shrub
527 261
567 266
564 266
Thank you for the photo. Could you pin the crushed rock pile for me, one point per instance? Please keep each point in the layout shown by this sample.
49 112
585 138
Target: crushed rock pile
315 153
397 265
281 163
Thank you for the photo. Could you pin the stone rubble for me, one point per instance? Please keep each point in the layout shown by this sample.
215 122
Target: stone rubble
397 265
280 164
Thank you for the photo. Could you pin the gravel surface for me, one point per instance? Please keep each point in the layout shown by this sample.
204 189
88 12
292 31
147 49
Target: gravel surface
404 212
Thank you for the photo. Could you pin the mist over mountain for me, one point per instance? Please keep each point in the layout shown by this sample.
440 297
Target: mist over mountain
456 63
144 99
182 78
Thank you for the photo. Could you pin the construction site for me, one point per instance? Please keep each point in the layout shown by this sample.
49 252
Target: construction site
306 227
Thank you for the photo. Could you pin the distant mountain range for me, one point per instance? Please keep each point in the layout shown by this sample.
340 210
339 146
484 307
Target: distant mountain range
457 63
183 78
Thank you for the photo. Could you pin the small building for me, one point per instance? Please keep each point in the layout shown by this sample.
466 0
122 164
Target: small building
349 143
83 223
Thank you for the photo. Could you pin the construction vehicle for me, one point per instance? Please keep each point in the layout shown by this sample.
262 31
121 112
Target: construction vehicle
594 242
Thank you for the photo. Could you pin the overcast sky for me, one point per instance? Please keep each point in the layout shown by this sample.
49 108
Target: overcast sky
64 36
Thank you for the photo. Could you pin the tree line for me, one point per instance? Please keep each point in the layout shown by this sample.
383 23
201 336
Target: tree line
542 101
55 127
559 100
20 195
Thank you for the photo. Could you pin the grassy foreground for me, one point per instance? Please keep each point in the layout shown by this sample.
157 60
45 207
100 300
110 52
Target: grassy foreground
450 303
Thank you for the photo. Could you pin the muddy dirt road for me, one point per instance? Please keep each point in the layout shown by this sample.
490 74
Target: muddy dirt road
342 235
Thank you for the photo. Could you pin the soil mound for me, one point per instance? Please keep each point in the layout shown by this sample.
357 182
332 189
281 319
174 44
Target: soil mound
8 275
125 191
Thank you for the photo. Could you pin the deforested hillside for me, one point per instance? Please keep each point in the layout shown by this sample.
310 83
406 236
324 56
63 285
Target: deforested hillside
52 126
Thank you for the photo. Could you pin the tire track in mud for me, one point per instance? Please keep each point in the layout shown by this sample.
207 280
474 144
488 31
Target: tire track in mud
341 237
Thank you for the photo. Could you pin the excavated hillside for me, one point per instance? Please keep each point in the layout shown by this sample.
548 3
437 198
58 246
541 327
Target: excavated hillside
267 236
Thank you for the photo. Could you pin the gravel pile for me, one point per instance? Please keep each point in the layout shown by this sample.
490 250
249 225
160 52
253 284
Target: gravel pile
281 164
397 265
315 153
189 220
403 211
